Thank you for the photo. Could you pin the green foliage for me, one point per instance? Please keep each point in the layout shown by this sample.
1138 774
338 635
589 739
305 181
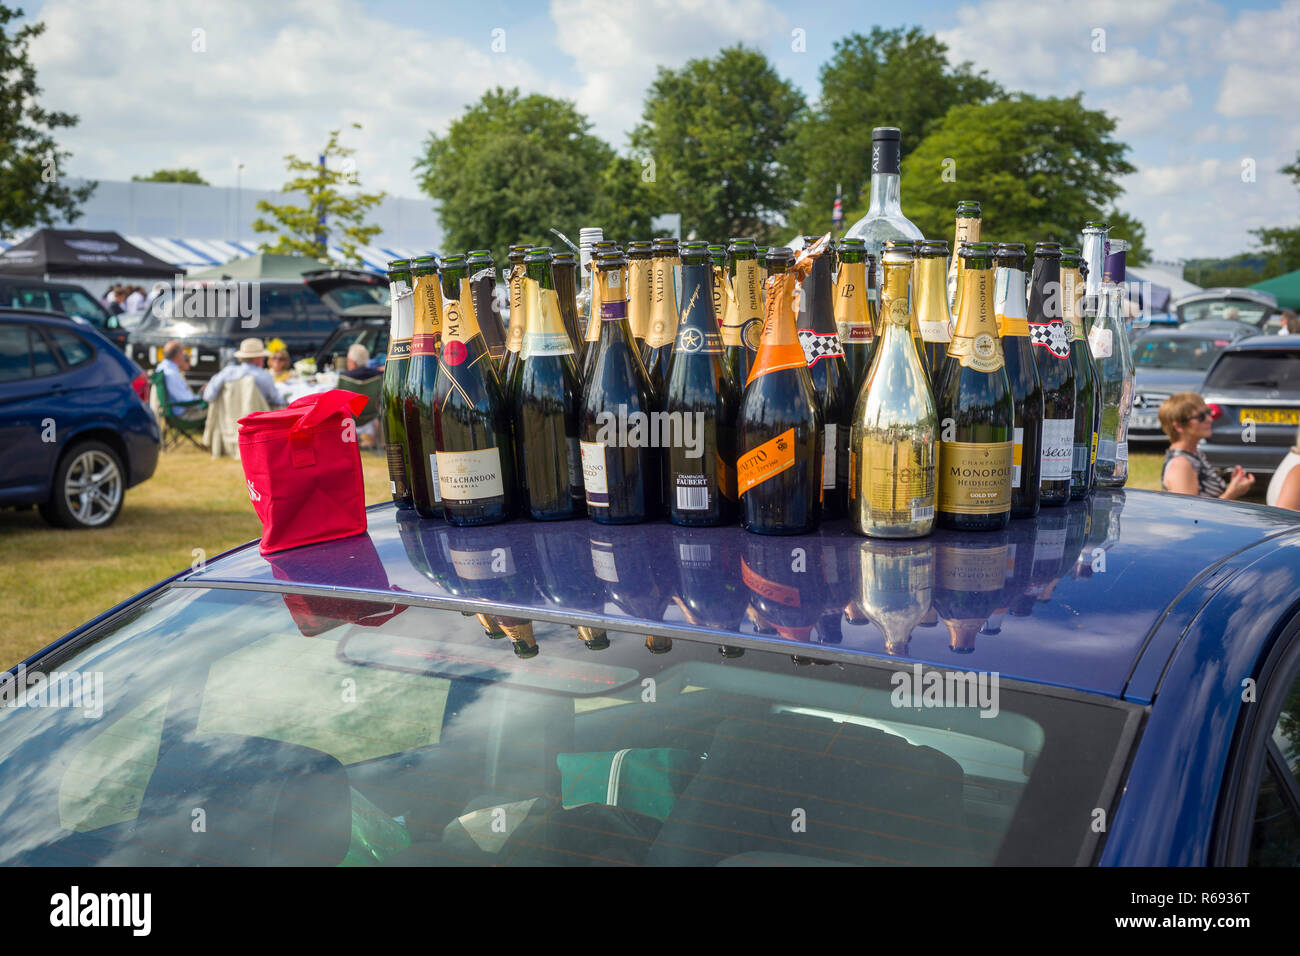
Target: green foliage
510 168
718 132
1281 243
1237 271
300 228
31 164
1039 167
889 78
624 202
190 176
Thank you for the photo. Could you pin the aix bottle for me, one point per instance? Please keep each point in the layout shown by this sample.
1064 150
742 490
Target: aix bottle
420 394
665 280
976 416
1051 348
779 431
1022 376
742 314
1082 472
895 426
830 378
591 334
968 230
620 465
475 451
853 316
884 218
546 401
565 269
700 407
1114 357
931 305
515 331
638 290
393 410
483 284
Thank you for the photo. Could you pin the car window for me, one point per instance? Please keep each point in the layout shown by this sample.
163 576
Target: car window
1191 354
358 732
72 348
319 318
76 302
1275 838
347 296
33 299
15 352
43 360
278 315
1257 369
1239 309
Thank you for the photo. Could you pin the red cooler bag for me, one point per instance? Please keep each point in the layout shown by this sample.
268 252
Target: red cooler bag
303 468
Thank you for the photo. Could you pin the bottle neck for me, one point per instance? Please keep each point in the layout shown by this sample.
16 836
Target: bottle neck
885 194
975 314
697 300
895 295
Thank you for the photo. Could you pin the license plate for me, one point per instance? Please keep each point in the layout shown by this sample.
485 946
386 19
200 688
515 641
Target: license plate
1272 416
1144 421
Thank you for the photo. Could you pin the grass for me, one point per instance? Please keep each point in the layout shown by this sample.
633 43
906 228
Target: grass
53 580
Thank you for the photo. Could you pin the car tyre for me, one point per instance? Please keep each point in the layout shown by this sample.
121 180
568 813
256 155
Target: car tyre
89 487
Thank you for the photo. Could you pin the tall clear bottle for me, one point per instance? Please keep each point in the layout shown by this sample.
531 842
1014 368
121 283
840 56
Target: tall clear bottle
894 437
1022 374
1114 357
884 218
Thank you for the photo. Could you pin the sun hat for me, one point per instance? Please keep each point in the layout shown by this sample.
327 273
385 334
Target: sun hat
252 348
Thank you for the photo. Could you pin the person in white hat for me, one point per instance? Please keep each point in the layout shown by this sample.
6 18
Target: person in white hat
249 360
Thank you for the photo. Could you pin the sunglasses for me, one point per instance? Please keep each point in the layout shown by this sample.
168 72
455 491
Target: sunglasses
1200 416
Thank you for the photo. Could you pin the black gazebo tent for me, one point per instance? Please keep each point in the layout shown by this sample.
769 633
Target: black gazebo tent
74 252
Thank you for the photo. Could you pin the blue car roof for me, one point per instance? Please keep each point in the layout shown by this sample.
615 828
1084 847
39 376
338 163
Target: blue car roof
1068 599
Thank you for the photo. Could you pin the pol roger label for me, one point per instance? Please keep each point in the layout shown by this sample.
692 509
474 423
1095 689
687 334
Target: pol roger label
1058 449
470 475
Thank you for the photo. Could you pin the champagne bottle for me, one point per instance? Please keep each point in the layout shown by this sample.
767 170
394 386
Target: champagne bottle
515 332
1114 357
395 368
564 267
591 335
475 450
1082 472
968 230
700 407
884 218
969 577
853 315
873 293
620 467
483 284
1022 376
895 425
931 307
665 279
742 316
830 379
420 392
718 264
1051 348
546 401
638 290
779 432
896 582
973 399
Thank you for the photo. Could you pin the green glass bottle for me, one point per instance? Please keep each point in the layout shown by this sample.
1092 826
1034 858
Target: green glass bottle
420 392
483 284
1051 347
392 410
1009 304
1083 476
820 340
853 316
515 331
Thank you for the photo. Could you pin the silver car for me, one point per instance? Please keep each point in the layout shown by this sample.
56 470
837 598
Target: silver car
1169 361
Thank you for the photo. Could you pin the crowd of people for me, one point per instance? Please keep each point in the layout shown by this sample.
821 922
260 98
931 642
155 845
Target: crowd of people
130 298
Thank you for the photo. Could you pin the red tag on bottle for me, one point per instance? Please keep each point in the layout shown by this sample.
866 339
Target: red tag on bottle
454 352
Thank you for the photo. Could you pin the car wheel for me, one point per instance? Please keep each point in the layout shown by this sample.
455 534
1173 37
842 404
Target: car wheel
89 485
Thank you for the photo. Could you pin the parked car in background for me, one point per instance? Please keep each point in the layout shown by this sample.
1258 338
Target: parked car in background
215 318
1244 305
74 427
1253 393
564 693
372 332
65 297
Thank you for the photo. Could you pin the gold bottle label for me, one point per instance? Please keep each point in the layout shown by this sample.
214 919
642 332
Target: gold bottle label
426 338
898 481
544 331
663 304
975 344
766 461
968 230
852 316
639 297
515 334
931 301
597 300
971 569
719 296
975 477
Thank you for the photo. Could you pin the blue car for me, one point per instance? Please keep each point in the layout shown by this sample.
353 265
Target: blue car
1114 682
75 431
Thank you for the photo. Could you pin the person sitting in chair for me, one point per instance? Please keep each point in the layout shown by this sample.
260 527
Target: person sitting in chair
249 360
175 363
359 363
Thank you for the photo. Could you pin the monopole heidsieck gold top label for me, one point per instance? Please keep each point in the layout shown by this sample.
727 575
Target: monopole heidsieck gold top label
544 332
515 334
975 344
975 477
460 326
852 318
426 337
663 305
402 300
639 298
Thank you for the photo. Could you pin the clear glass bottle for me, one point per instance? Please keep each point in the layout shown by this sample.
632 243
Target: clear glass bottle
1114 358
884 219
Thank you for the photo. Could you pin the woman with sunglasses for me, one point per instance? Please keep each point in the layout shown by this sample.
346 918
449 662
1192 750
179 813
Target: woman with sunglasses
281 365
1187 422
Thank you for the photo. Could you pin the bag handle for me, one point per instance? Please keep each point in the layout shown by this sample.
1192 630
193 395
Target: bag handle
322 405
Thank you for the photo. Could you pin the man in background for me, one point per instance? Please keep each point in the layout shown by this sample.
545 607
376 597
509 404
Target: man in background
249 360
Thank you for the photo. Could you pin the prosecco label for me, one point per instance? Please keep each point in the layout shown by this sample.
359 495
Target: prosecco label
1058 447
465 476
766 461
975 477
594 476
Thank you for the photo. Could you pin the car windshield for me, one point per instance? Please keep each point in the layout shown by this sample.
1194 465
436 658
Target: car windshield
347 296
1242 310
1177 353
1257 369
212 727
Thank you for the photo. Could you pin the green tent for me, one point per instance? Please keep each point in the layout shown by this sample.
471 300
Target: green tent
264 265
1285 287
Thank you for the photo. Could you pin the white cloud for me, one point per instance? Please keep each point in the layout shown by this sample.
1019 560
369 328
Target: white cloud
1266 90
1146 109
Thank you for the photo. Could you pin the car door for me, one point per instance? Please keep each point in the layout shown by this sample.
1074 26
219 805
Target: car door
30 410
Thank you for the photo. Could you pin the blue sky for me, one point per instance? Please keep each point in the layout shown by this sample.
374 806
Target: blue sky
1207 94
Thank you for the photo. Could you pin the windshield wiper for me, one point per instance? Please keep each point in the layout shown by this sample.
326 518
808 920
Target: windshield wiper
1258 383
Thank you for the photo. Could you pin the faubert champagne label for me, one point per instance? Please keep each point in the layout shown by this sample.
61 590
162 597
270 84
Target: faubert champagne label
852 319
426 318
766 461
470 475
545 333
975 477
690 339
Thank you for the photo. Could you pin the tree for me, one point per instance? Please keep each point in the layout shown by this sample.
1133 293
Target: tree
624 202
1280 243
889 78
510 168
31 164
717 134
190 176
330 213
1124 226
1039 167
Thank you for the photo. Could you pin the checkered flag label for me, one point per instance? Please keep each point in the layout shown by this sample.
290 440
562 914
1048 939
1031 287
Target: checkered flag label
819 345
1051 336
